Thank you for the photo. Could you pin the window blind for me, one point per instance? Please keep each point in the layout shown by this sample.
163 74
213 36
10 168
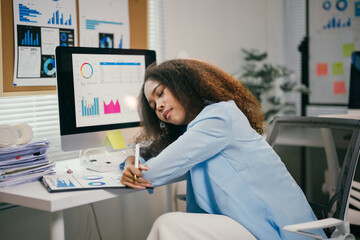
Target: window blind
294 33
156 35
41 113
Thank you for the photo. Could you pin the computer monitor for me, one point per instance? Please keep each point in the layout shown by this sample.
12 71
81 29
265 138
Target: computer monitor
354 87
97 92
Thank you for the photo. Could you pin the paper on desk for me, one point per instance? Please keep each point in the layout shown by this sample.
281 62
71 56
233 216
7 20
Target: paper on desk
35 148
21 161
82 181
25 179
24 163
13 172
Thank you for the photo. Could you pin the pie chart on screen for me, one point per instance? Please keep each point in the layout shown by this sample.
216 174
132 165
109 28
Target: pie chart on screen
86 70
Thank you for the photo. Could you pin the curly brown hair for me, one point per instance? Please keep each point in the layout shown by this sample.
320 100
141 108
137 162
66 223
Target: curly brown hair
195 84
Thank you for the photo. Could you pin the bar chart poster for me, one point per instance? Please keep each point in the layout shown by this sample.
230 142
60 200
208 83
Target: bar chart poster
39 27
110 30
106 88
337 15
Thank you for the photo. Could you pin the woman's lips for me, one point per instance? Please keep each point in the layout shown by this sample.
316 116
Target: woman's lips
166 114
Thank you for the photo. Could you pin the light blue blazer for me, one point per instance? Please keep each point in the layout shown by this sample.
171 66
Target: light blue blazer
231 170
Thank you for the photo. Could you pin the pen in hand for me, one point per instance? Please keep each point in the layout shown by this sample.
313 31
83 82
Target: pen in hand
137 153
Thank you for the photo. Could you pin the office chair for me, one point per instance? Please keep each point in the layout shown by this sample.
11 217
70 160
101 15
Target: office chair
354 210
326 151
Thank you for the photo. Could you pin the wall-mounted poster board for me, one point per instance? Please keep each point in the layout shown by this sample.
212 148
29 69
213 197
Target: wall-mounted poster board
334 33
138 40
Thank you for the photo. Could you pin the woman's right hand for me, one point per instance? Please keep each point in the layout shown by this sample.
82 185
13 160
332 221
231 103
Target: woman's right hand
128 177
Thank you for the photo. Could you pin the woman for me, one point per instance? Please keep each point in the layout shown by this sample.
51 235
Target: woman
205 126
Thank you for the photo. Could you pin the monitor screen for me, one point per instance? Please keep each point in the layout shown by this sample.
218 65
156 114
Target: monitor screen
354 88
97 92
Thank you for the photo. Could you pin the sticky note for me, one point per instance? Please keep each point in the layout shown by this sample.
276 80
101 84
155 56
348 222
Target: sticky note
348 48
321 69
338 68
116 139
339 87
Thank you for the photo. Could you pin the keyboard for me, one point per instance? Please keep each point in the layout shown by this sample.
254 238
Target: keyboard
106 161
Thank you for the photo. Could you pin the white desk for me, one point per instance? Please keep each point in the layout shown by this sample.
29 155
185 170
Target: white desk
349 116
34 195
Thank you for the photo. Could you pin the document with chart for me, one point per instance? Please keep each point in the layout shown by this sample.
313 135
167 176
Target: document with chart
39 27
82 181
109 30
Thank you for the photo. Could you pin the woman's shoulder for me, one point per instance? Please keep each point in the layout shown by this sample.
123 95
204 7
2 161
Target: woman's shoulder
220 110
224 105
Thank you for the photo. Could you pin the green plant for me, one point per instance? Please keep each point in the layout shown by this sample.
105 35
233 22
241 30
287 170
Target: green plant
268 83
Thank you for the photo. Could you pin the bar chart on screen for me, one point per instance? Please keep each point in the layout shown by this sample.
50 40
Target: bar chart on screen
90 109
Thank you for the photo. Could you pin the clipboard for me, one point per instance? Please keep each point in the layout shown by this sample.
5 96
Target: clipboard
82 181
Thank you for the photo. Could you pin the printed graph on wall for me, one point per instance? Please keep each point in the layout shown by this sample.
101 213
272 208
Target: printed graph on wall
334 33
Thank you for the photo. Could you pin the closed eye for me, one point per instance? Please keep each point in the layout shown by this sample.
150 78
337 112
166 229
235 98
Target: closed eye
158 91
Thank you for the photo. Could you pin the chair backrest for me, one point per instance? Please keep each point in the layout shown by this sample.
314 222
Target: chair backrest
321 154
354 207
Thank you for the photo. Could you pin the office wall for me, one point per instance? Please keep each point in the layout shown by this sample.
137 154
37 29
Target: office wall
211 30
215 31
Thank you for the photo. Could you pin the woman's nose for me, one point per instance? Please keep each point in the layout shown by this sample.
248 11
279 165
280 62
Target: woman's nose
160 107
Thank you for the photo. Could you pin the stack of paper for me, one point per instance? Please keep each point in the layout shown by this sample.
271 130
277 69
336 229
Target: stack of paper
24 163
